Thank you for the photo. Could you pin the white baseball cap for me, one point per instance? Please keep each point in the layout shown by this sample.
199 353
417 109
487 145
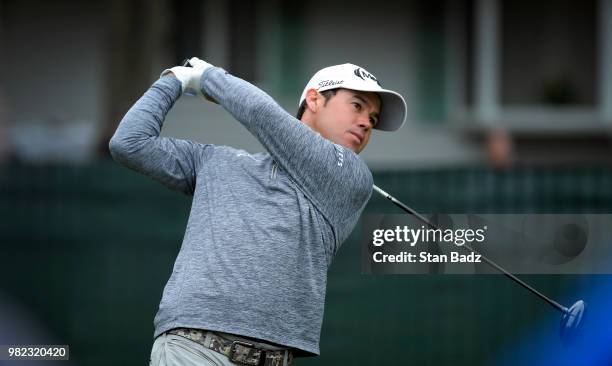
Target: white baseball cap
349 76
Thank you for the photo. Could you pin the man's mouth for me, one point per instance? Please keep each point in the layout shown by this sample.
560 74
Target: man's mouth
358 135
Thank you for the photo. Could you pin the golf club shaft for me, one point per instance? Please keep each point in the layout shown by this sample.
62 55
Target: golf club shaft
398 203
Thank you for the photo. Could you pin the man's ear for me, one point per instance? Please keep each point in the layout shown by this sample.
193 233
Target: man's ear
313 100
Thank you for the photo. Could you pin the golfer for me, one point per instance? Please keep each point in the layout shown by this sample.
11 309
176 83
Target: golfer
248 284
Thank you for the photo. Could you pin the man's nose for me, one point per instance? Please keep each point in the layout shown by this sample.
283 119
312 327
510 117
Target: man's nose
365 122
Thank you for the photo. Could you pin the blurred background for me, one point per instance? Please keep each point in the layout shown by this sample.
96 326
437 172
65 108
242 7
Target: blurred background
510 111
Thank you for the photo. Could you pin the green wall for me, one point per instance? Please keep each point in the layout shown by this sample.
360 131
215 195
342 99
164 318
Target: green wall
87 251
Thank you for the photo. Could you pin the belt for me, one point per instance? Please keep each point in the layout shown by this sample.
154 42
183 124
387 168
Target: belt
238 351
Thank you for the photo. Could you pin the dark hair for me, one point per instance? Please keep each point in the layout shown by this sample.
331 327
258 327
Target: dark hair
326 94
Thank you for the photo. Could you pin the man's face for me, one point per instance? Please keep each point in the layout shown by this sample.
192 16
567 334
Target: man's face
347 118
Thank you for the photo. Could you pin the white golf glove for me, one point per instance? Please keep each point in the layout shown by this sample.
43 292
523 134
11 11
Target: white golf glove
189 76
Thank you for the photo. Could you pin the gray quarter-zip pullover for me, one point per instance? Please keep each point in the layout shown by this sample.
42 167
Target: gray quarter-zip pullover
263 228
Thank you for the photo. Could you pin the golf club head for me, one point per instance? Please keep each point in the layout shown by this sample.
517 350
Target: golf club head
572 322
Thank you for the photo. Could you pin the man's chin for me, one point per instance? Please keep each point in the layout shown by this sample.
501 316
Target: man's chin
349 144
352 146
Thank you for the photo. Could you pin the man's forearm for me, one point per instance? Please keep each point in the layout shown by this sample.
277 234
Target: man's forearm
145 119
281 134
138 146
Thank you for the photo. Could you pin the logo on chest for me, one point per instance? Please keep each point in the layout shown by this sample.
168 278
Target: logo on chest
339 154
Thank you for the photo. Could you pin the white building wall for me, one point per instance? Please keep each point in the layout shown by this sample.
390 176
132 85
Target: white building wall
54 66
53 60
382 40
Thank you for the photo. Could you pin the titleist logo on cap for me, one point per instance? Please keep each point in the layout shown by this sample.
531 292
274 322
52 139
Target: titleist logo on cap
361 73
329 83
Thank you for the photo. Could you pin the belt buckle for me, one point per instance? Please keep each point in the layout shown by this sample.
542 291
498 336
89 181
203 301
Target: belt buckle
244 353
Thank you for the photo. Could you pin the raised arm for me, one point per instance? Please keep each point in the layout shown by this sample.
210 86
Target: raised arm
137 145
332 176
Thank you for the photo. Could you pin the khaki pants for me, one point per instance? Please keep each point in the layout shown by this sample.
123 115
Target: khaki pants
174 350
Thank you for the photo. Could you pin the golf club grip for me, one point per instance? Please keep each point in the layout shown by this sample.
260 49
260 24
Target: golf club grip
186 63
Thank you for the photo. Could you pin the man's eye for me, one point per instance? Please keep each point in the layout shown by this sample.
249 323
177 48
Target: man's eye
357 106
373 121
